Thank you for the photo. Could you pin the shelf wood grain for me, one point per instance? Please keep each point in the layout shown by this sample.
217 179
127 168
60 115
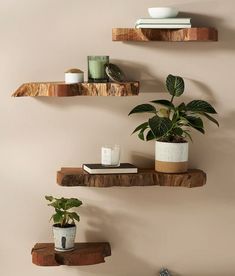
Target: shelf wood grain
61 89
170 35
145 177
43 254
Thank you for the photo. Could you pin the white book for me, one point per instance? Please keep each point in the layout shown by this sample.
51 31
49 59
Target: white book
163 26
100 169
163 21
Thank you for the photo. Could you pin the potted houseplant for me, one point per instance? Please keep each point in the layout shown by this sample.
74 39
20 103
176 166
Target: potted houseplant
170 126
64 227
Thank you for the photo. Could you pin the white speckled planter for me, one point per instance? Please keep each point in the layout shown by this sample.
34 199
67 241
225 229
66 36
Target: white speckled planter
64 238
171 157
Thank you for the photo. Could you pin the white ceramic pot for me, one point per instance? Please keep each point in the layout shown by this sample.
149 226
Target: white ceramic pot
64 237
171 157
71 78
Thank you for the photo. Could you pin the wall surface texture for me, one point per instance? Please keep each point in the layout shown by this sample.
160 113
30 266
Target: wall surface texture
190 231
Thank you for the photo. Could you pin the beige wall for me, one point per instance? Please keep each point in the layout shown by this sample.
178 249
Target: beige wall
190 231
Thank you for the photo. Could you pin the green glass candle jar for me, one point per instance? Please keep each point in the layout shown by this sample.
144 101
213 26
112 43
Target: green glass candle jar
96 68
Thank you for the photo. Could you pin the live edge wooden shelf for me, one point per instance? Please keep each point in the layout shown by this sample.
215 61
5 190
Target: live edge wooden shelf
170 35
145 177
61 89
43 254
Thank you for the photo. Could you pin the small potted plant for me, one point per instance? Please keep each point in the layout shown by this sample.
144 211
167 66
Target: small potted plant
64 227
170 126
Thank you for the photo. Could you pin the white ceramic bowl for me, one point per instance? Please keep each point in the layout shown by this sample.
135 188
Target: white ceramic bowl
163 12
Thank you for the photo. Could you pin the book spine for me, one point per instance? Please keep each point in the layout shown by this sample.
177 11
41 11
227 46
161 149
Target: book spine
163 26
164 21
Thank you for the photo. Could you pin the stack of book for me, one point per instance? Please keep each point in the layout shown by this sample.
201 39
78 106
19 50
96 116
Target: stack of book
163 23
100 169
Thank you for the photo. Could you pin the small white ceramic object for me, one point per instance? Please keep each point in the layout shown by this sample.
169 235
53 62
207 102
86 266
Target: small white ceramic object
64 238
110 156
163 12
171 157
74 76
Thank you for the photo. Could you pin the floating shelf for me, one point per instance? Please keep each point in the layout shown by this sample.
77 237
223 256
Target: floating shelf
61 89
43 254
170 35
145 177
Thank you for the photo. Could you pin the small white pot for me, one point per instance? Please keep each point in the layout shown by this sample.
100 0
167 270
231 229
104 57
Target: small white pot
171 157
74 77
64 237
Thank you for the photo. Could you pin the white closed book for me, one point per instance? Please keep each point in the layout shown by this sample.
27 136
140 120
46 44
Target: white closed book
163 26
176 20
100 169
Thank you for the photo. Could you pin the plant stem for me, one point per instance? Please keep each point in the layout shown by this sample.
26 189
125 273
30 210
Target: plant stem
169 109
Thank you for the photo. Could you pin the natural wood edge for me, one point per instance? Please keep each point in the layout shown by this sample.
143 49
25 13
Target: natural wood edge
169 35
78 177
43 254
61 89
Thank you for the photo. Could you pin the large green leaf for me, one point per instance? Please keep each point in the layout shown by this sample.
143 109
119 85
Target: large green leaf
57 217
210 118
142 108
74 216
142 126
200 106
150 136
164 103
141 134
195 121
159 125
72 202
175 85
178 131
181 107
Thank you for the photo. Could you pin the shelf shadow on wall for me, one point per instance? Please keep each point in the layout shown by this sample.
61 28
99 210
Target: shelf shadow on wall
114 227
149 82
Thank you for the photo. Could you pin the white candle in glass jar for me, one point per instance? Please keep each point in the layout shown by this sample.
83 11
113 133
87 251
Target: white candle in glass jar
110 156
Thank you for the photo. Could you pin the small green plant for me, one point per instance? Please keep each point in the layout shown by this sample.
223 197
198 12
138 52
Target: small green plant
173 123
62 216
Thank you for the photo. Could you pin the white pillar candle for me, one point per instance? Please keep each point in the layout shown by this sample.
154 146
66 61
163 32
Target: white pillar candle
74 76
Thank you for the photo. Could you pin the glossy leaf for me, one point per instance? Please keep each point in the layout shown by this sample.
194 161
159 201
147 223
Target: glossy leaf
181 107
195 121
142 108
164 103
211 118
178 131
141 135
200 106
175 85
159 125
142 126
150 136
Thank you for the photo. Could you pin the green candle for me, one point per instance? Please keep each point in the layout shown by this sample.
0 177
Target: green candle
96 68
